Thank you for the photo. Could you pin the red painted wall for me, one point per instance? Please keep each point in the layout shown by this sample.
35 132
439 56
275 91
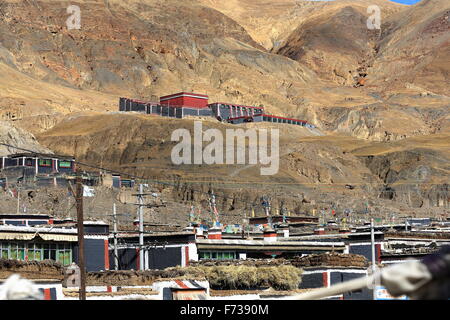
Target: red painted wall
186 101
378 252
106 255
186 253
47 295
325 279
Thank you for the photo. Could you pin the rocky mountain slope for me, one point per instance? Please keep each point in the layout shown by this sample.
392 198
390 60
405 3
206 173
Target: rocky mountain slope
14 136
379 98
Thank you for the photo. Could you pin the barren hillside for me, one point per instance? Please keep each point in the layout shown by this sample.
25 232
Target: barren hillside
379 98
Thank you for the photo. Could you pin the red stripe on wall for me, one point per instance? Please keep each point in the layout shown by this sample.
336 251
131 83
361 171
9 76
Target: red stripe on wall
181 284
106 255
186 254
378 252
325 279
47 294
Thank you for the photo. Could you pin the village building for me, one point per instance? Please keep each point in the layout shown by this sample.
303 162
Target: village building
37 238
161 250
183 104
38 163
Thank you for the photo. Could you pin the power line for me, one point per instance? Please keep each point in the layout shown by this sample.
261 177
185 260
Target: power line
123 173
224 197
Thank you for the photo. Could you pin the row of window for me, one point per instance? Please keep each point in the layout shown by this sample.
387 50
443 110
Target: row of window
217 255
41 163
277 120
48 163
243 108
61 252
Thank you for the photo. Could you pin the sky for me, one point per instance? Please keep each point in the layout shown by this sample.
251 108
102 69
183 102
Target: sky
406 1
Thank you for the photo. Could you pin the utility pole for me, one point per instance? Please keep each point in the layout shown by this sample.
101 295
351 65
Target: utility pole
372 242
140 204
141 226
244 224
116 254
18 199
80 228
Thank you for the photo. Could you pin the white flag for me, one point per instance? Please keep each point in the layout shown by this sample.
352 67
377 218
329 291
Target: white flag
88 192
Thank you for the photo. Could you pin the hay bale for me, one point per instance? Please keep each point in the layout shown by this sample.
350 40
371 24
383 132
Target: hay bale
281 277
231 277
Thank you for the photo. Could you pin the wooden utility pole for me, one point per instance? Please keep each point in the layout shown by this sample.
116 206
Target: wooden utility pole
116 253
18 199
374 265
80 228
140 204
141 227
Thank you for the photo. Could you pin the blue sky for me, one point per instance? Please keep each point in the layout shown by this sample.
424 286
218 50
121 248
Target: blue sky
406 1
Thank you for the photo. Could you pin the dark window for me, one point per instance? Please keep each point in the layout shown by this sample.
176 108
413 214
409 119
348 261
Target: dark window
45 162
46 252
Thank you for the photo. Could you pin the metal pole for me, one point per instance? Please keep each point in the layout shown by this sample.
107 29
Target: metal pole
141 227
116 254
372 241
80 228
18 199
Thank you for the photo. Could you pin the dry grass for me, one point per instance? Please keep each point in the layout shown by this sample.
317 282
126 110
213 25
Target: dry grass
249 277
46 269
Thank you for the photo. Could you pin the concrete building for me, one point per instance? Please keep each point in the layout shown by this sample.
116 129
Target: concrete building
29 238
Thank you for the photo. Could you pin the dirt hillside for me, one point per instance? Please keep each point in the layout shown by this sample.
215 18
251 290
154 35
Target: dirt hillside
379 98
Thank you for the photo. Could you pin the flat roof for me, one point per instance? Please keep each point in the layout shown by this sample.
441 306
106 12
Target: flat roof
134 234
140 101
24 216
184 94
266 245
46 229
236 105
39 155
96 222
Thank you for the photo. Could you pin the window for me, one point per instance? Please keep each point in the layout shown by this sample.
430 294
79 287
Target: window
204 255
218 255
13 251
21 252
4 250
64 254
46 251
45 162
30 252
61 252
65 164
53 254
29 162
